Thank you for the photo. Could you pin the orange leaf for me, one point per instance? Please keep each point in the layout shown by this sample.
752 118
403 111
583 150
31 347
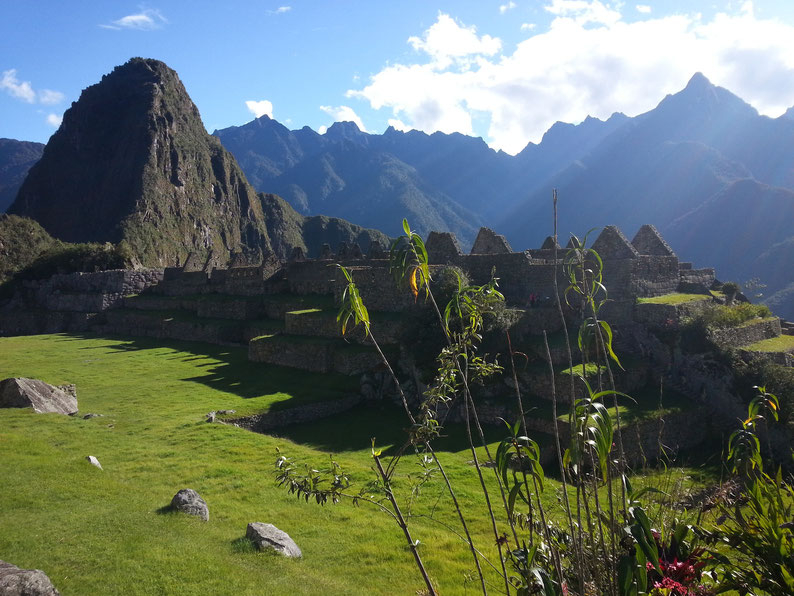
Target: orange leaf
413 282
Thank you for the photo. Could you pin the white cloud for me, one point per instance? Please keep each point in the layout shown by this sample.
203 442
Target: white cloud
528 26
399 124
15 88
24 90
280 10
146 20
589 61
54 120
323 129
344 114
505 7
643 8
49 97
448 42
584 11
260 108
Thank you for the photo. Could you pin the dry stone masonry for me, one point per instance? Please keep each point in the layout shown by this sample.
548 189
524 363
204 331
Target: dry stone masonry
285 312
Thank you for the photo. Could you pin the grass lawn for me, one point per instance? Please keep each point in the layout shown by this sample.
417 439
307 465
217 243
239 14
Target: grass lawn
108 532
781 343
673 299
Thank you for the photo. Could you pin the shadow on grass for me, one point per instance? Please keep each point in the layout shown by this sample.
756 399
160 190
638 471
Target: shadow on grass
232 372
387 424
242 546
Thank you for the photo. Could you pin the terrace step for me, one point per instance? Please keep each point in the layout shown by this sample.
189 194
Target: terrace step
314 354
537 379
183 325
747 333
317 322
778 350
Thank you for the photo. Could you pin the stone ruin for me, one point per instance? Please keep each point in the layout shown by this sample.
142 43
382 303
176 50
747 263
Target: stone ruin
272 307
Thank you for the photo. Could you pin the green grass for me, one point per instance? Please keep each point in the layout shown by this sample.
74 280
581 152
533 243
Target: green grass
107 532
673 299
305 311
782 343
587 370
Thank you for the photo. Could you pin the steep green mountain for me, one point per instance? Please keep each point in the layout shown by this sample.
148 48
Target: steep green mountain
133 164
16 158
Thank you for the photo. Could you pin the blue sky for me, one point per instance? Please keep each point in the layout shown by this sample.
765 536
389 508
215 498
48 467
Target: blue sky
504 70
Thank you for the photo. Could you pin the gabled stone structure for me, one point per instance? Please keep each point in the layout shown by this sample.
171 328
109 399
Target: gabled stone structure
648 241
550 244
442 248
612 244
489 242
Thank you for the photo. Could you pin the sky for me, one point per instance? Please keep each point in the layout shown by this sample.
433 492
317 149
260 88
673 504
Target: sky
505 70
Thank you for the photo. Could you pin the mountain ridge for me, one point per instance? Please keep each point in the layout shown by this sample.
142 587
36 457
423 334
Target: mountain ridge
132 163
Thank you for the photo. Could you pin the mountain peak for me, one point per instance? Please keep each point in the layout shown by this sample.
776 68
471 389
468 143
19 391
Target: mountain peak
132 161
346 131
702 99
699 82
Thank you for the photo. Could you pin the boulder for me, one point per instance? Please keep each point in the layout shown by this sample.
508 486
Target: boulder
189 501
269 536
42 397
24 582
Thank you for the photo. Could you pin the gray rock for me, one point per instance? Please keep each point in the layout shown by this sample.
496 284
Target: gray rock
24 582
93 461
269 536
188 501
42 397
225 412
92 415
211 417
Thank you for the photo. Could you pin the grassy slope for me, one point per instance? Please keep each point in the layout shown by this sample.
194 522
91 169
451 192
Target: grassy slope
101 532
104 532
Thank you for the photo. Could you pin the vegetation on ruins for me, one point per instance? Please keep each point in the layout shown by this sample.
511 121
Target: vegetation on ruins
605 541
451 496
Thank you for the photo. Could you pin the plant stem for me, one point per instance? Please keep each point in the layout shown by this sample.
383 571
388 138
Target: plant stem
398 514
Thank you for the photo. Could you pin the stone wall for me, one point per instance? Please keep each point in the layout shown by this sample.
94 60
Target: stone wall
746 334
695 280
89 292
518 276
673 432
377 289
667 316
654 275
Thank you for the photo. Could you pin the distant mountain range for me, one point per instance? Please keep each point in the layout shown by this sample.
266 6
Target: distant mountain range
16 158
133 164
711 174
